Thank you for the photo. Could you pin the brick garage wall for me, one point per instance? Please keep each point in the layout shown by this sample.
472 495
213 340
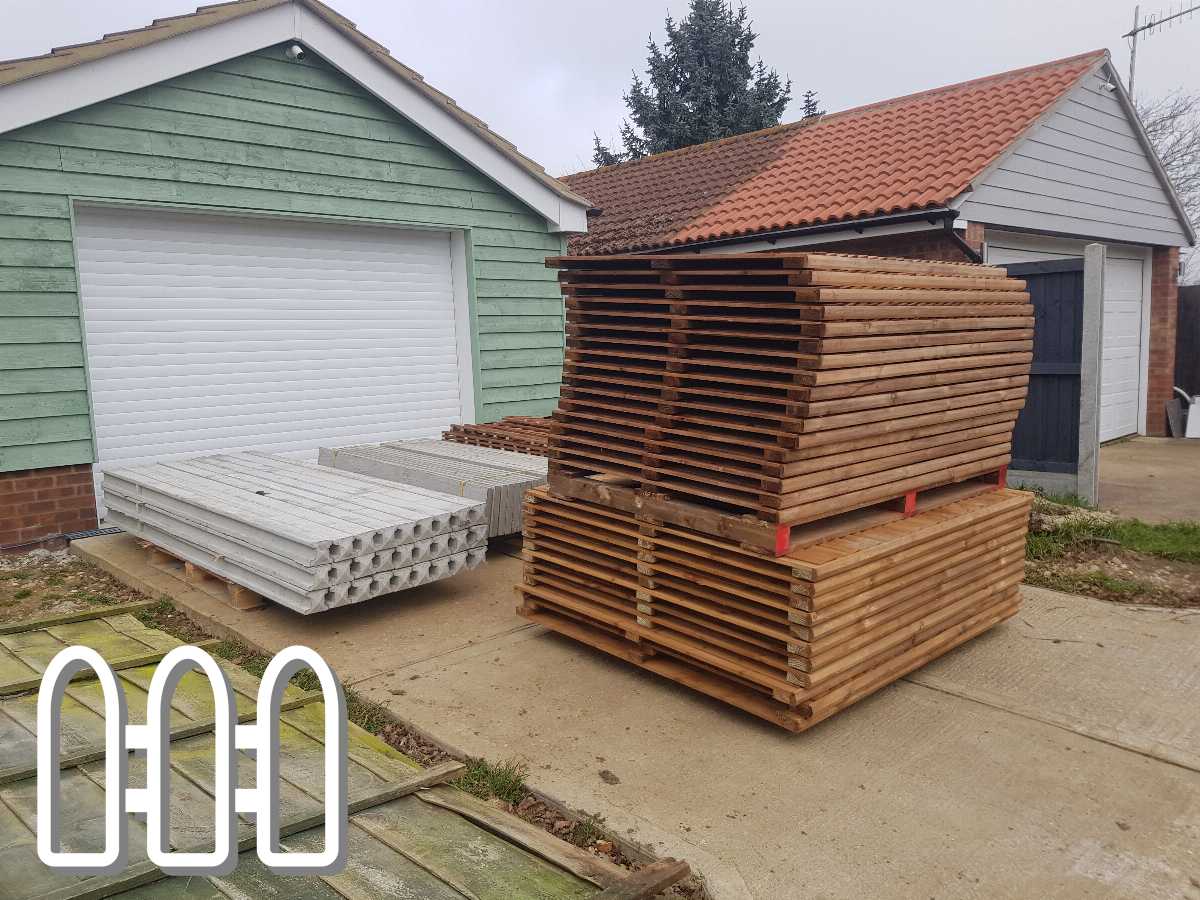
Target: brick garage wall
975 236
1164 312
39 504
918 245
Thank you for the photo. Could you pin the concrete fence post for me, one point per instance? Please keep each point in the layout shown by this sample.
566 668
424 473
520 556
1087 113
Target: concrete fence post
1088 472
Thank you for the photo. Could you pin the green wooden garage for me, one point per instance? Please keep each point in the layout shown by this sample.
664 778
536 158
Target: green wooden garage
252 227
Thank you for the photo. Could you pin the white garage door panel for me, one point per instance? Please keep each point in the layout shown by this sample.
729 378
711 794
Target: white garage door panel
213 333
286 436
317 397
152 322
184 386
1121 356
262 350
234 418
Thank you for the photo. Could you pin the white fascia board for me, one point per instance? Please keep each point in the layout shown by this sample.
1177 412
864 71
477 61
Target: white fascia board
754 244
1139 129
54 93
340 51
572 217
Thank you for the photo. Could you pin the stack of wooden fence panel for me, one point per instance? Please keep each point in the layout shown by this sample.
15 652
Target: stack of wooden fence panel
779 478
792 639
520 434
790 387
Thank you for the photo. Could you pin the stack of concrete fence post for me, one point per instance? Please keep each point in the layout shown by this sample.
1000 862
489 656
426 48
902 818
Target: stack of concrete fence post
306 536
498 477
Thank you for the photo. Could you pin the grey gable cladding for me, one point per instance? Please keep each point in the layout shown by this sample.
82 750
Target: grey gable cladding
259 133
1081 171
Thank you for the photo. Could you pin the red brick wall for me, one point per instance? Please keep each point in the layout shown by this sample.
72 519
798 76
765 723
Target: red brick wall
975 236
40 504
917 245
1164 312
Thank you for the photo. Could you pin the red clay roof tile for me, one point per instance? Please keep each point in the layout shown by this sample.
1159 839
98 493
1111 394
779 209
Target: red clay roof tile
901 155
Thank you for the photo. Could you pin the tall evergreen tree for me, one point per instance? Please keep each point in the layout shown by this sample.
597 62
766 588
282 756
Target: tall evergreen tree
601 155
700 86
812 106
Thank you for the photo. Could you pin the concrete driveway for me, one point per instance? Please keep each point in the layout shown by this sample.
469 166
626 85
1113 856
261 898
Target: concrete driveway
1152 479
1057 756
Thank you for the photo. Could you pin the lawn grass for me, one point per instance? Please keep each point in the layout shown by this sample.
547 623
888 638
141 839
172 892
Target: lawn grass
1179 541
1107 582
504 780
1173 540
1094 583
1065 500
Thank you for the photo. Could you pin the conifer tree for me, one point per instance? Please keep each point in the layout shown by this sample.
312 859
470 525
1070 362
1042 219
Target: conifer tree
701 86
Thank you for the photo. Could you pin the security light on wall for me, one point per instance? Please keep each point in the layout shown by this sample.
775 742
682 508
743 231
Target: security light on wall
296 52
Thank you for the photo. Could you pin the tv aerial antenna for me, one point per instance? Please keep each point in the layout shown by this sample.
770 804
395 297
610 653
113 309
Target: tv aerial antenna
1155 22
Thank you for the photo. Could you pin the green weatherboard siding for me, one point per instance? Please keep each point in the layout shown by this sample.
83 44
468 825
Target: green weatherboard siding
259 133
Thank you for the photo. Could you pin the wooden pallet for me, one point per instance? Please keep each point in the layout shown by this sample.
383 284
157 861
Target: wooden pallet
232 595
753 534
521 434
793 639
739 380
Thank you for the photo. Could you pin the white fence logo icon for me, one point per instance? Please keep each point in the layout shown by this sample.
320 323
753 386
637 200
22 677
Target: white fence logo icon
154 737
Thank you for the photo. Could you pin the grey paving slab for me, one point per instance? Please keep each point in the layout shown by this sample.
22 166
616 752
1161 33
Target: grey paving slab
1032 762
1152 479
975 778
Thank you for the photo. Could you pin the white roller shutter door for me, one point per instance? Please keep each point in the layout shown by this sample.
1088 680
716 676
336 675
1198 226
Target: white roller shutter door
1121 355
208 333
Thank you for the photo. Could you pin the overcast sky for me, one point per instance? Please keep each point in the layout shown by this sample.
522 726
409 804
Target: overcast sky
547 73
